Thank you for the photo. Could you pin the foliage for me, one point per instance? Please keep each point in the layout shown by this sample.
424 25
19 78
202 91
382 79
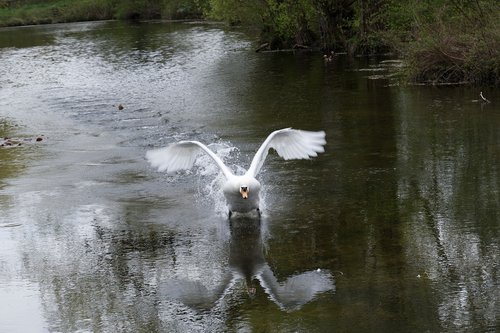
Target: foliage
156 9
37 12
248 13
450 41
23 12
293 21
442 40
183 9
457 41
138 9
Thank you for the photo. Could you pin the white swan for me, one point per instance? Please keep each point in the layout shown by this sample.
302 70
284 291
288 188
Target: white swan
241 192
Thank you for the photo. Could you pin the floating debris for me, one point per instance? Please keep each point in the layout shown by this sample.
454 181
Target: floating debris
484 98
17 142
8 142
263 47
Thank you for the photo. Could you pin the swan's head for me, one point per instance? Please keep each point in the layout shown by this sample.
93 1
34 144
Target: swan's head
244 191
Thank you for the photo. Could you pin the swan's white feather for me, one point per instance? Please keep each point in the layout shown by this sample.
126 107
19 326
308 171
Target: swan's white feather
290 144
181 156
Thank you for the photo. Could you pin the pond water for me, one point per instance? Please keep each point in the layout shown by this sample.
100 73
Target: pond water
395 228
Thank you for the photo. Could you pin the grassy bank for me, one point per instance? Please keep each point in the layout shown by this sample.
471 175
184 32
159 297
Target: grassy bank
28 12
449 41
46 12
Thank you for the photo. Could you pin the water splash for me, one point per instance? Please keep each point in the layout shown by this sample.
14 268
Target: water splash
211 179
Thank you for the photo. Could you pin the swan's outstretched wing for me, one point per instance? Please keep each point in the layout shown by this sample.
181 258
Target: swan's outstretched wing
290 144
181 156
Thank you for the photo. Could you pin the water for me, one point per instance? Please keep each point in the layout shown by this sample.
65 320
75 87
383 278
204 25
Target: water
394 228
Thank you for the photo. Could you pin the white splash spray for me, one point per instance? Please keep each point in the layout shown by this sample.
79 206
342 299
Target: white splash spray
211 179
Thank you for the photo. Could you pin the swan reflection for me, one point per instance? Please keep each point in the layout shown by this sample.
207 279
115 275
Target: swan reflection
247 263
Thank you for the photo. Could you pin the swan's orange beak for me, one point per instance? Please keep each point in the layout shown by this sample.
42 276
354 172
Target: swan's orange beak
244 192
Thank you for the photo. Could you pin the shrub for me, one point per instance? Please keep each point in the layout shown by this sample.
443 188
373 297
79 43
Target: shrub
457 43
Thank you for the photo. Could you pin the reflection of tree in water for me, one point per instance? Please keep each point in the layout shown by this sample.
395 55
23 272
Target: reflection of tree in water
448 191
125 245
369 237
11 160
27 37
101 272
112 285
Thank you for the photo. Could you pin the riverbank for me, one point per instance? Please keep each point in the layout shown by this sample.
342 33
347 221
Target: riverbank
443 42
55 12
17 13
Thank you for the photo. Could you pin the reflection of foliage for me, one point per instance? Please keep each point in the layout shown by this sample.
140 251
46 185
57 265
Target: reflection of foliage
448 193
4 128
103 273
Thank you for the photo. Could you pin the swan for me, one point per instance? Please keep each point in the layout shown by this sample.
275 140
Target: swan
241 191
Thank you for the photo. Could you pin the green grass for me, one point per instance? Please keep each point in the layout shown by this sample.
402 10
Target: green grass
56 12
27 12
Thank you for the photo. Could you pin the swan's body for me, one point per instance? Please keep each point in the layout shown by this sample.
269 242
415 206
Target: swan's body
241 192
234 198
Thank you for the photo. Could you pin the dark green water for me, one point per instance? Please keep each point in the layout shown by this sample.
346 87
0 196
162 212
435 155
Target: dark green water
395 228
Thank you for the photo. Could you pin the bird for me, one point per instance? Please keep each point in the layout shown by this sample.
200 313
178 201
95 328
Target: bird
241 191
